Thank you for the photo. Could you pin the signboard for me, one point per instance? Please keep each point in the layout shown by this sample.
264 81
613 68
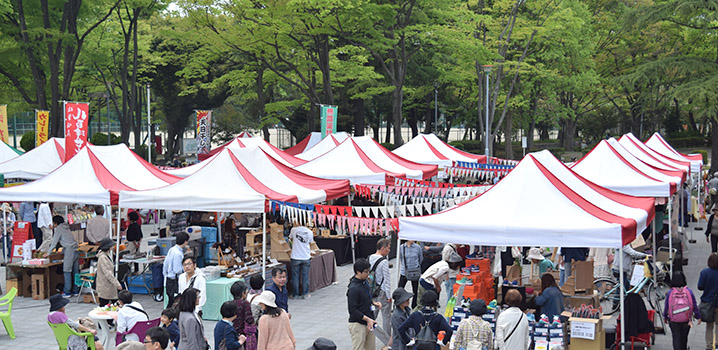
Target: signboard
3 123
21 233
584 330
42 121
75 127
204 123
189 146
329 120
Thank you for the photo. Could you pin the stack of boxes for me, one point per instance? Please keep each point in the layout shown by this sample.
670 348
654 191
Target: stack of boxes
481 285
461 313
546 336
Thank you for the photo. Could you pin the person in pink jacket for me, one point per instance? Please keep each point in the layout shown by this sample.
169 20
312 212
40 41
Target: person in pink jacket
275 331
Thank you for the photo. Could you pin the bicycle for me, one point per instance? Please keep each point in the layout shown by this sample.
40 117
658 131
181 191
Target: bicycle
653 289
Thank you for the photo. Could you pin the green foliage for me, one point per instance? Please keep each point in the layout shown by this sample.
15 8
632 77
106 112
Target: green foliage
469 145
686 139
27 142
702 152
100 139
389 146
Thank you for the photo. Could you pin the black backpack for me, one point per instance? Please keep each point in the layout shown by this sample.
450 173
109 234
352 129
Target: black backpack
374 285
426 338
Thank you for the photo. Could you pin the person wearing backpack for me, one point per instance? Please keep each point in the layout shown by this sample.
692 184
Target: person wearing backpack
361 308
427 324
474 333
680 305
712 230
708 283
380 281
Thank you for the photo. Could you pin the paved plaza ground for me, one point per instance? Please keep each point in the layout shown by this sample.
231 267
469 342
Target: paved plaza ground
322 315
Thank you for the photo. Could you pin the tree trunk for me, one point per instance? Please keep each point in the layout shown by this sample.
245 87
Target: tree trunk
530 134
429 117
509 148
397 103
261 101
569 134
359 116
387 139
323 54
413 122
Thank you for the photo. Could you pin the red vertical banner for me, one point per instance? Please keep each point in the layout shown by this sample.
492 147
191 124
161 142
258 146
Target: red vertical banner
76 119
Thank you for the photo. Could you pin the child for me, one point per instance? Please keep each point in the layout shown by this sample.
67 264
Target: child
57 316
427 314
401 312
225 337
256 282
680 305
169 321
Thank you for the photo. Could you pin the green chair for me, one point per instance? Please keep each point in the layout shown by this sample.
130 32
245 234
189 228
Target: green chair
5 315
62 331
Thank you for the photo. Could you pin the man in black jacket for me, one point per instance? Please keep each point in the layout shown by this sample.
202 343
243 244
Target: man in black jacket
361 308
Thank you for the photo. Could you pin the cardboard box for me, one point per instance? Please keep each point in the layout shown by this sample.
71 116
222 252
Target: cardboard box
38 287
599 343
639 243
13 283
576 300
88 299
583 270
276 232
282 255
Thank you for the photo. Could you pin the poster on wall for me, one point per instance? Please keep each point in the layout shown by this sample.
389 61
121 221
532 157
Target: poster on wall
76 119
204 122
329 120
42 121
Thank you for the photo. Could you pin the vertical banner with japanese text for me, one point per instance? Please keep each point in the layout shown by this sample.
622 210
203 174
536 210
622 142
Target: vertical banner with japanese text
42 120
204 122
3 123
76 119
329 120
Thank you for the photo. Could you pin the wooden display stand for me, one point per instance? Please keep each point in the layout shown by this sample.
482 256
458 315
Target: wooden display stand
253 246
281 250
35 281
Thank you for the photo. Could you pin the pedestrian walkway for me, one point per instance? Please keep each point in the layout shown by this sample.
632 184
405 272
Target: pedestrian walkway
322 315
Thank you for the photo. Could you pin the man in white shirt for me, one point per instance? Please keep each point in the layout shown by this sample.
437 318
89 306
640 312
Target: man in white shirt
380 265
129 313
193 278
44 223
301 258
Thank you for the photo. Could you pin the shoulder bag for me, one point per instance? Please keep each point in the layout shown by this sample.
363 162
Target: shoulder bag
516 326
412 273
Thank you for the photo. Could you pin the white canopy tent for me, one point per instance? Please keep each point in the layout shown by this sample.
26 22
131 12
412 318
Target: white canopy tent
390 161
657 143
7 152
634 145
325 145
347 161
37 162
429 149
310 141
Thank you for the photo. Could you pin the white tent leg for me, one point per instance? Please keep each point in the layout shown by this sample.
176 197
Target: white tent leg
670 233
655 238
623 291
398 259
4 237
117 245
264 244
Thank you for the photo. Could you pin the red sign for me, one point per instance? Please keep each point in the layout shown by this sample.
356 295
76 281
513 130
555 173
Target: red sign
76 118
21 233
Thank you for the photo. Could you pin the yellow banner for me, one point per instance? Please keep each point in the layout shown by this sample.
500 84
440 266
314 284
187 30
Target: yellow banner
3 123
42 120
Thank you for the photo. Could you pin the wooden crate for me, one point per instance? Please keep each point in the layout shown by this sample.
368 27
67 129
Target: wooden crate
38 287
12 283
253 246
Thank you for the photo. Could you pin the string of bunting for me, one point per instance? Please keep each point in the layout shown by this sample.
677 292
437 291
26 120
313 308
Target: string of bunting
390 211
369 191
356 225
400 181
294 212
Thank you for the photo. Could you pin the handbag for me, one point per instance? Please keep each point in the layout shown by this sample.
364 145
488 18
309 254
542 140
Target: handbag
412 273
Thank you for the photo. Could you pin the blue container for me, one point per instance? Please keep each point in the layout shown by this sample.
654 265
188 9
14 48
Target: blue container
136 284
165 244
210 238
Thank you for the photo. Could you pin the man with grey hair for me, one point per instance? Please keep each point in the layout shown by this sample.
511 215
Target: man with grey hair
380 264
98 227
712 190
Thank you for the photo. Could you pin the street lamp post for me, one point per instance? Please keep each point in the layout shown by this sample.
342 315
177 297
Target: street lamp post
436 108
149 127
487 70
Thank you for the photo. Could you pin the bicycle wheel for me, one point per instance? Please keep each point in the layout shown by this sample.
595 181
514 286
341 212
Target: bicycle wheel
656 298
608 295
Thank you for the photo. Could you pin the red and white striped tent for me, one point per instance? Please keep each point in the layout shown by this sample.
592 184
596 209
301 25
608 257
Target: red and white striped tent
238 180
273 151
657 143
619 171
244 134
37 162
429 149
348 161
387 160
540 203
311 140
645 153
325 145
93 176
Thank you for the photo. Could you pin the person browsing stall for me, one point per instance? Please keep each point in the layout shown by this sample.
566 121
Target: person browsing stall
432 278
275 330
225 336
301 258
538 259
551 298
107 283
193 278
134 232
191 328
361 308
64 237
279 288
512 326
474 332
172 266
98 227
427 314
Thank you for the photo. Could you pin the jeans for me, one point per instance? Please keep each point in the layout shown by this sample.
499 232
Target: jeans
70 283
69 275
449 287
679 332
300 270
714 243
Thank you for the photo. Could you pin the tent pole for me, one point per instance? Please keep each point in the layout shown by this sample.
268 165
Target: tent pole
117 246
4 237
398 259
351 233
623 291
264 243
670 232
655 238
108 210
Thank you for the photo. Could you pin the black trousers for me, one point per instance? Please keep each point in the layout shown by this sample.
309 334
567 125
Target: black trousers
679 331
414 288
171 288
714 243
104 302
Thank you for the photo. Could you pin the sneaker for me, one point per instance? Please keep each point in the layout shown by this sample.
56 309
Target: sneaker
306 296
556 322
67 295
292 297
543 321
